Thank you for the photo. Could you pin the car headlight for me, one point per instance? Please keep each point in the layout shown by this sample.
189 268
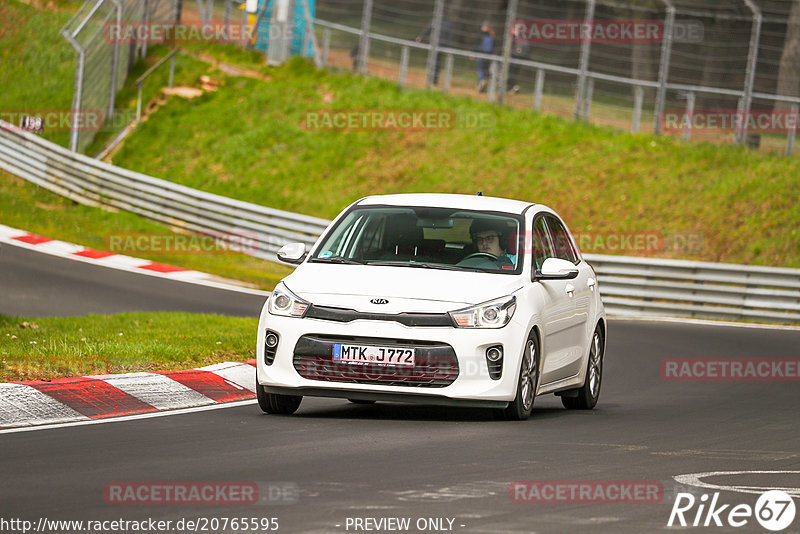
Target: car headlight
284 302
493 314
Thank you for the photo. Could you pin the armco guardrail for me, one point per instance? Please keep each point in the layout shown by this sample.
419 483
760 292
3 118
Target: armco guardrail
90 181
647 286
629 285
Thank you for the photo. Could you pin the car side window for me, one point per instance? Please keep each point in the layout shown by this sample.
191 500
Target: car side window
561 240
541 244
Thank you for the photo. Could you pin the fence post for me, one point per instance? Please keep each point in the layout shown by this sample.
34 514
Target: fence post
401 80
363 41
587 102
750 76
539 88
172 70
310 32
509 34
448 72
326 45
433 50
586 48
493 68
663 67
139 103
112 84
146 24
227 20
78 94
792 130
687 130
638 97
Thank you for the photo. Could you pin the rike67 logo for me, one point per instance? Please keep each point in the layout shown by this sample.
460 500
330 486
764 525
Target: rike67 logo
774 510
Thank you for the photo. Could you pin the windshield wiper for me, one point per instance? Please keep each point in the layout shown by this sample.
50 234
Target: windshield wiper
336 260
420 265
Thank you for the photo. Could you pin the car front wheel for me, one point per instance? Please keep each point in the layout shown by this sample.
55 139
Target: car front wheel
277 404
587 396
520 408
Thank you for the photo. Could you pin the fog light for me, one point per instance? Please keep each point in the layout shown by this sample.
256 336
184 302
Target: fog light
494 361
271 340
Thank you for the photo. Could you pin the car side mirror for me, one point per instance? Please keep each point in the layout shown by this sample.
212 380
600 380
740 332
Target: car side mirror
556 269
293 253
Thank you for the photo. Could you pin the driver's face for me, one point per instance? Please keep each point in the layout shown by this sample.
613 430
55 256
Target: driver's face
488 242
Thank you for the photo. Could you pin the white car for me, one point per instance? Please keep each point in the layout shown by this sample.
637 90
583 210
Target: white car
438 299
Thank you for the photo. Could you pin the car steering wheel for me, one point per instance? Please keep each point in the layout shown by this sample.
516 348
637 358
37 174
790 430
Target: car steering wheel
481 255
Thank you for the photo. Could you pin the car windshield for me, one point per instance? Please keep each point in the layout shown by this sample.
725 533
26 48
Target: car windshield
423 237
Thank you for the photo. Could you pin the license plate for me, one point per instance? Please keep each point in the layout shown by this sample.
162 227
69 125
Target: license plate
364 354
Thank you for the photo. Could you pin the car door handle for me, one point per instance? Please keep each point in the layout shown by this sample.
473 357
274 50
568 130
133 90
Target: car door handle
570 289
591 283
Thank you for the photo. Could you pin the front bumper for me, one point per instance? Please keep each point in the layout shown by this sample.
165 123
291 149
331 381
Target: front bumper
451 364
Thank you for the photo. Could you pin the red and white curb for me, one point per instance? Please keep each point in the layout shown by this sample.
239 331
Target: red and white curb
86 398
24 239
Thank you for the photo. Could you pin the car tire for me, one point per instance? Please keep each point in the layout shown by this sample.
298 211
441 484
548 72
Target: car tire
589 393
275 404
520 408
361 401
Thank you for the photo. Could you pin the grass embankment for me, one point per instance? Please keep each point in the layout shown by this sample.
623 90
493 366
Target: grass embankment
246 141
52 347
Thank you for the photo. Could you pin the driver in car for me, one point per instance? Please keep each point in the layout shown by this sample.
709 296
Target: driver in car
491 237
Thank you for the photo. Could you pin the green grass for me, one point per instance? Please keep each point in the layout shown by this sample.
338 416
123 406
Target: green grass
246 141
39 77
53 347
32 208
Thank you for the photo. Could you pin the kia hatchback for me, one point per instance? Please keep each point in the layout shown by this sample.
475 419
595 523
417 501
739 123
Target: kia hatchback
438 299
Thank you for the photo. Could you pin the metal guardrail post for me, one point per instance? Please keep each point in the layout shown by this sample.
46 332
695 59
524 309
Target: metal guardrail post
638 98
663 67
509 35
448 72
326 45
433 50
750 75
363 41
401 79
538 90
586 48
687 131
792 131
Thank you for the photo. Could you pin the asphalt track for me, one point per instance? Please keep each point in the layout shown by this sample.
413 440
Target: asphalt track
391 460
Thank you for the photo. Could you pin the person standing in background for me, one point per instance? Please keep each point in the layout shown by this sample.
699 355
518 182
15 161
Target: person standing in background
445 41
485 46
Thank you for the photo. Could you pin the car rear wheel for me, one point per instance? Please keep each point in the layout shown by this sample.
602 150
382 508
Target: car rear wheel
587 396
520 408
277 404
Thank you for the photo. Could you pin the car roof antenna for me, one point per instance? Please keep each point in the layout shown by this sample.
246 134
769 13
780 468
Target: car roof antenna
480 193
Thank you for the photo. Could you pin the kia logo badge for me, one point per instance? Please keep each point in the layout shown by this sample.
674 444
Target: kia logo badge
379 301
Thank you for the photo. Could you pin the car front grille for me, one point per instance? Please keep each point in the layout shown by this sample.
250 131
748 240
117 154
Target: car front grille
436 365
